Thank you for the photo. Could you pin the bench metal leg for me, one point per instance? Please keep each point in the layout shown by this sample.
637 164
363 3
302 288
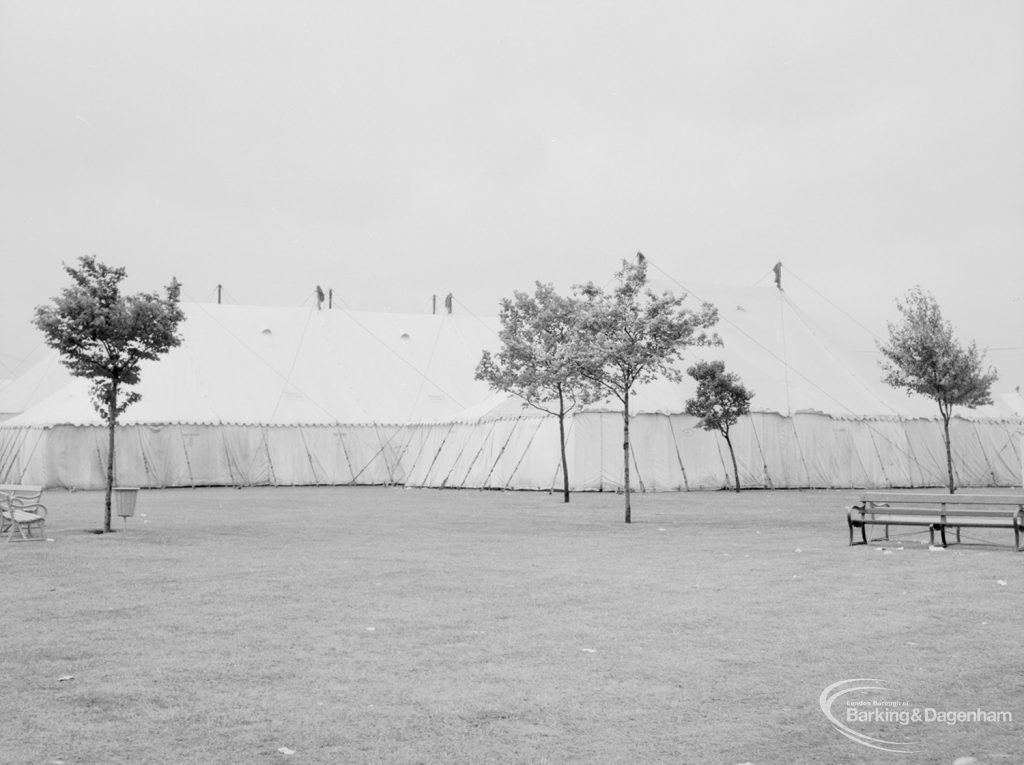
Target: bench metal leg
24 531
863 533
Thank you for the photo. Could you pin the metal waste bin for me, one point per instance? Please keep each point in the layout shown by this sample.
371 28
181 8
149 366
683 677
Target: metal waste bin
124 500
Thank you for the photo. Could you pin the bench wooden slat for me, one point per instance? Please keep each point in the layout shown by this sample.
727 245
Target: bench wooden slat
958 512
948 499
920 519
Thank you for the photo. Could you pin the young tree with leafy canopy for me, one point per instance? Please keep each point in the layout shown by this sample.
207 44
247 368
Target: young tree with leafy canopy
721 399
923 357
633 336
537 361
103 336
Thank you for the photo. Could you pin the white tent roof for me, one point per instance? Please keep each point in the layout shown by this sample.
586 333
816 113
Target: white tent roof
282 366
795 360
42 379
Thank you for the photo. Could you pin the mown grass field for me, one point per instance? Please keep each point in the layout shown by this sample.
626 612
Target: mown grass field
384 625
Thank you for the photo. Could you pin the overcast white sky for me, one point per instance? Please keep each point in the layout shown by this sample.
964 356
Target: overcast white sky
394 150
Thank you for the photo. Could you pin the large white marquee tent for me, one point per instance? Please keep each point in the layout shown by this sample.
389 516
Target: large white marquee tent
266 396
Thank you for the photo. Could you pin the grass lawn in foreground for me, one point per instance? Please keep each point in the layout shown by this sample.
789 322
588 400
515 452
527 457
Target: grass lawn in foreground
386 625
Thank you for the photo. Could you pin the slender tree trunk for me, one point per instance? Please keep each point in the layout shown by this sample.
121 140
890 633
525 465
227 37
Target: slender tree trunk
561 439
732 454
111 424
949 450
625 452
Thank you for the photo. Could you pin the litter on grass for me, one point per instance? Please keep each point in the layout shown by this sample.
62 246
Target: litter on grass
65 678
286 751
1001 581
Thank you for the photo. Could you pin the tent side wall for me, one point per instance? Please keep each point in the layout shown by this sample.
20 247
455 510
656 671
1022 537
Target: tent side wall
66 456
501 453
669 453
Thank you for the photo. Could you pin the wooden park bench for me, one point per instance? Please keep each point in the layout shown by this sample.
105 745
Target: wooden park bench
938 512
21 511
